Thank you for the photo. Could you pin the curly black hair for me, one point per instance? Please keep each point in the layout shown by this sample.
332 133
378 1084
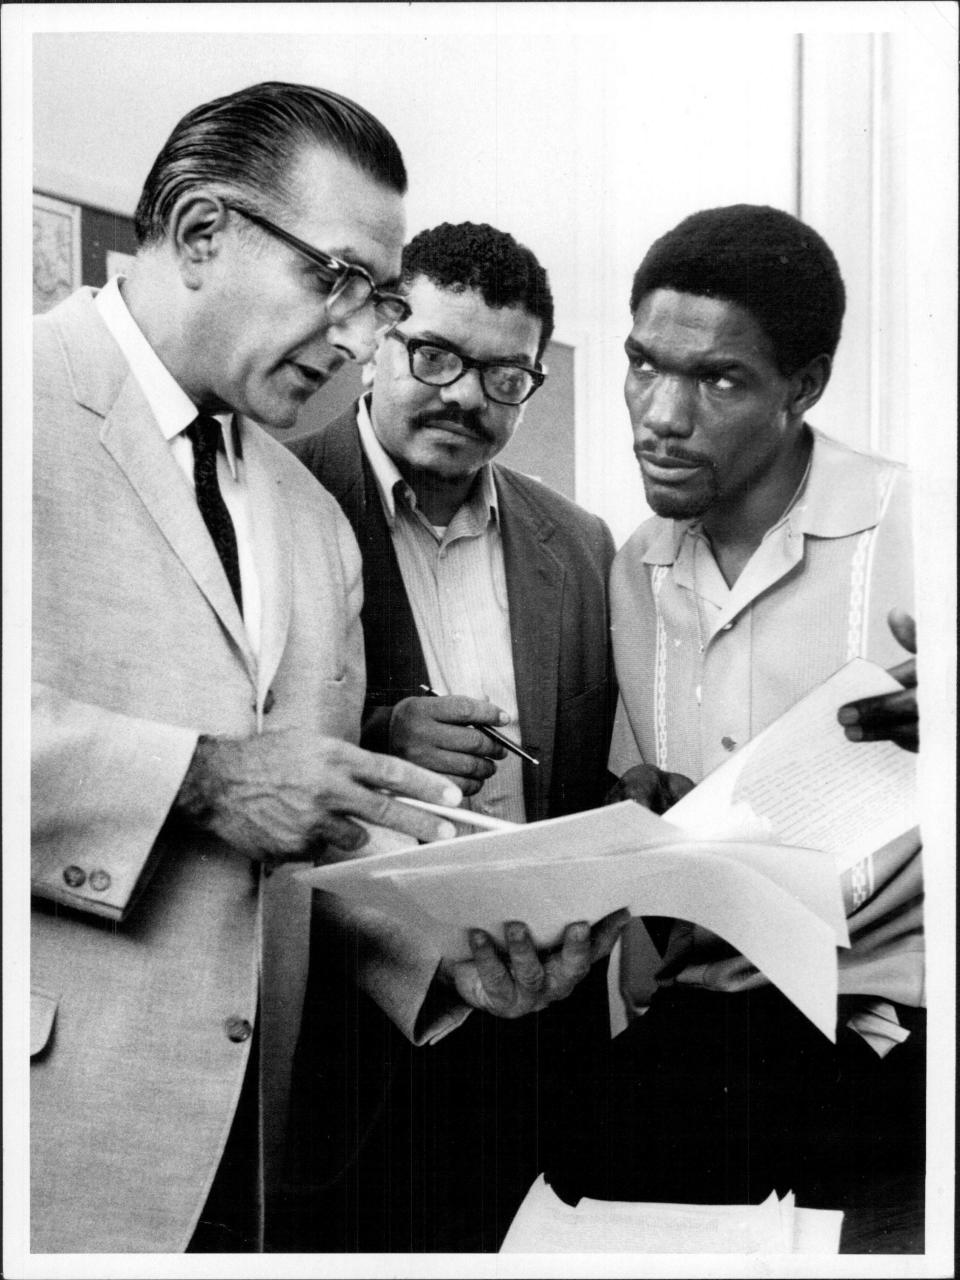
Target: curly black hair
471 255
763 259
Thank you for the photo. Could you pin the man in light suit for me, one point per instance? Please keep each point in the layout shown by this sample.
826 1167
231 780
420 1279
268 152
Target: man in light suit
490 588
198 666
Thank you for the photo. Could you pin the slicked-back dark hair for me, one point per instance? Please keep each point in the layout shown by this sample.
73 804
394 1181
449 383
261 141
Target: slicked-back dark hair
474 255
762 259
247 142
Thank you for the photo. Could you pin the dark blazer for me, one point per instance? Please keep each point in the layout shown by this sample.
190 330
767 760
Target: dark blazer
437 1145
556 557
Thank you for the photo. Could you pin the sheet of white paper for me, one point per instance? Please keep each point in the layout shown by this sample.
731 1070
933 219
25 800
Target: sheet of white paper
780 908
544 1224
817 1230
812 786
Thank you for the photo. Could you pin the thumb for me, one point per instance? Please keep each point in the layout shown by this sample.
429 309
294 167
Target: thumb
904 628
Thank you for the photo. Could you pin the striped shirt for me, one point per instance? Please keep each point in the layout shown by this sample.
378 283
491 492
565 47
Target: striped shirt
703 666
455 581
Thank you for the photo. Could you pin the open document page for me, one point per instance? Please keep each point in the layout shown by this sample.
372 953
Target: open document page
801 782
733 871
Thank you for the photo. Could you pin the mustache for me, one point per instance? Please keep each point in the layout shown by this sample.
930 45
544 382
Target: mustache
469 419
677 455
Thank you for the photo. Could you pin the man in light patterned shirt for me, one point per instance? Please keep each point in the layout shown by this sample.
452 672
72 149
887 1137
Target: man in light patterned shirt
775 555
489 588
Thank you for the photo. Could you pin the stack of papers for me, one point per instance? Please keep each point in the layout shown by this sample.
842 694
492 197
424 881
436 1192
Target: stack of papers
545 1224
757 854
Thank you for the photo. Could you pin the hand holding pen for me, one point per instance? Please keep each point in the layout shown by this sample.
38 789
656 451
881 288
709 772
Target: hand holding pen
450 734
501 738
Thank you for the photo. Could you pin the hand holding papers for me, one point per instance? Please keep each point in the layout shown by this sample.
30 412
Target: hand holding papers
523 979
822 803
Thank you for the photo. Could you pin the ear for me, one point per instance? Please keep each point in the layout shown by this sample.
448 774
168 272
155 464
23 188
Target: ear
197 223
809 384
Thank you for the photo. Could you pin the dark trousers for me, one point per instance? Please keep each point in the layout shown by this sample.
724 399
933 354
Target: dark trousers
230 1220
394 1148
714 1098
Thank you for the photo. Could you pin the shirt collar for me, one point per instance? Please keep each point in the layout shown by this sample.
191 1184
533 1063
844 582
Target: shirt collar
483 496
841 497
168 402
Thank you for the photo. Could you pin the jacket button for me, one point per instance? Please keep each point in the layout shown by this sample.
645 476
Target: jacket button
74 876
99 881
238 1030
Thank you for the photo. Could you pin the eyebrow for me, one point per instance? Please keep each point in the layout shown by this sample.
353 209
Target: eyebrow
705 364
438 340
347 253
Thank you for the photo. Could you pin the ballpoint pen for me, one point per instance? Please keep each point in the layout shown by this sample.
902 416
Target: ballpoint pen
491 733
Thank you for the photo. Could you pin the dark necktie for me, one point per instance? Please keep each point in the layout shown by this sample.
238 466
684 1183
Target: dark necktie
205 434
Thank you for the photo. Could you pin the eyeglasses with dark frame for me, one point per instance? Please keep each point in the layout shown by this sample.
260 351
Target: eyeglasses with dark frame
502 382
351 286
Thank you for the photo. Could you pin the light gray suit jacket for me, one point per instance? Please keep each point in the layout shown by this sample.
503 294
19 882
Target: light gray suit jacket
148 940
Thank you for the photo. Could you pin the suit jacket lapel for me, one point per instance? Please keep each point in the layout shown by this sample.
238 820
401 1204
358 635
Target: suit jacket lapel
131 437
534 590
395 662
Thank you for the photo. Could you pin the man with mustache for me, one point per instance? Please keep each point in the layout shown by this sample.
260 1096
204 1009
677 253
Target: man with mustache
490 589
775 555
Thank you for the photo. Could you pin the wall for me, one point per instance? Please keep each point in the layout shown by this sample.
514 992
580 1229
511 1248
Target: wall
586 130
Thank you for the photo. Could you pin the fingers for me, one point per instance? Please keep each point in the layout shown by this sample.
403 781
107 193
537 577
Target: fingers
528 972
605 933
403 778
434 732
339 832
641 784
904 628
524 980
733 973
458 709
573 961
676 786
891 716
494 981
458 766
906 673
651 787
421 826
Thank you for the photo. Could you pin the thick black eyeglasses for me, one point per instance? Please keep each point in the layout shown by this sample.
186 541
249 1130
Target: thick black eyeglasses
441 367
350 287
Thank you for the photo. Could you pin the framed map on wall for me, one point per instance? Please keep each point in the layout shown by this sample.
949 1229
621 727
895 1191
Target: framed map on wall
57 262
75 244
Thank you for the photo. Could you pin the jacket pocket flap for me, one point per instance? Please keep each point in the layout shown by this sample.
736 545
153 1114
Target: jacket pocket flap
43 1012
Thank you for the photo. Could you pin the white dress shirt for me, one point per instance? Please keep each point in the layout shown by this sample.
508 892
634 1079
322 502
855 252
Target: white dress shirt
174 412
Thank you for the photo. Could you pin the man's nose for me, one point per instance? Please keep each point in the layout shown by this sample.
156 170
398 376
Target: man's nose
467 391
355 336
668 408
